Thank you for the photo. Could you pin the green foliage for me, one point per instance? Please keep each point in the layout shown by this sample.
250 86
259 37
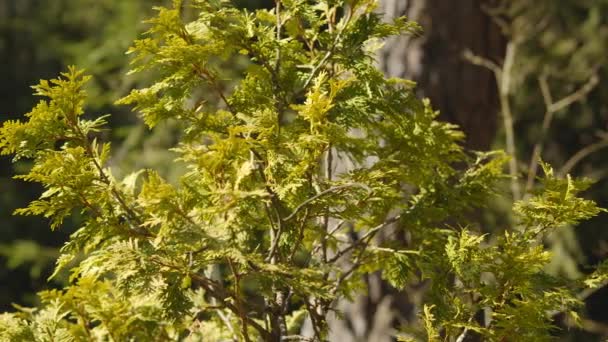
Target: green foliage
253 239
556 204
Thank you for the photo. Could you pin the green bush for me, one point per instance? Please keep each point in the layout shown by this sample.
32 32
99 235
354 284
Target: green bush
290 180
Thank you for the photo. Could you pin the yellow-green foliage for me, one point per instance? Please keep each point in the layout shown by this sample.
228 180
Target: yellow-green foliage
257 235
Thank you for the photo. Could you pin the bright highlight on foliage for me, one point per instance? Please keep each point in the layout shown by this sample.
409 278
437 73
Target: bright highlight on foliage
307 160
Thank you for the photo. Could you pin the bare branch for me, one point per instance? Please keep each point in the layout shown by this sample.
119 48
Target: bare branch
551 108
578 95
482 62
538 147
504 86
545 91
462 336
503 82
297 338
227 323
580 155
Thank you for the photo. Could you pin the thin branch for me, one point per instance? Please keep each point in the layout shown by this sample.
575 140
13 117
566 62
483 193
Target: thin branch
316 324
551 109
277 66
300 234
594 327
336 228
344 276
329 235
482 62
227 323
275 238
297 338
218 293
237 300
582 296
580 155
362 241
578 95
504 86
503 82
358 262
586 293
94 155
209 78
538 147
328 176
462 336
276 206
330 52
545 91
323 193
494 13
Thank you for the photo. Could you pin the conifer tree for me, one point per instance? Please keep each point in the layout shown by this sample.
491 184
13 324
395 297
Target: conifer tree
262 234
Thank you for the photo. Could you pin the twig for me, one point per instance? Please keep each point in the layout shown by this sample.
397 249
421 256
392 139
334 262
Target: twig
323 193
538 147
482 62
237 300
329 53
503 82
462 336
551 109
218 293
583 295
300 234
576 96
297 338
209 78
504 86
328 176
370 234
227 323
580 155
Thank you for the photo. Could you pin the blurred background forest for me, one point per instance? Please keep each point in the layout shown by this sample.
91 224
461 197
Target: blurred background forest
530 77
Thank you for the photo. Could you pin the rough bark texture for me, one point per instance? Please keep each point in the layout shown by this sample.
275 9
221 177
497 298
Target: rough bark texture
464 94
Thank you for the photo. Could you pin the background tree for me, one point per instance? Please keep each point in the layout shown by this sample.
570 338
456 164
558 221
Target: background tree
434 60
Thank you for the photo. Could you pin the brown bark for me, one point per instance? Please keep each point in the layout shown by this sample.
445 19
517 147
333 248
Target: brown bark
464 94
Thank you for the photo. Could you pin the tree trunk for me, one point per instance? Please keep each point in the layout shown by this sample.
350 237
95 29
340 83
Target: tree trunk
464 94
